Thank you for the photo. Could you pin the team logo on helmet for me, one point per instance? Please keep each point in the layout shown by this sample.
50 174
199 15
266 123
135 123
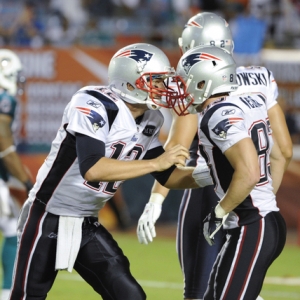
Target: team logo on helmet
96 120
193 24
194 58
222 127
140 56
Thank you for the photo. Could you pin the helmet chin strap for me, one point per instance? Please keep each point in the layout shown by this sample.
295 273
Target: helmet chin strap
150 104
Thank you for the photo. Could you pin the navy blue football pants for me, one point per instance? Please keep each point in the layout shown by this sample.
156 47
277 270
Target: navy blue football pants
241 266
100 261
195 255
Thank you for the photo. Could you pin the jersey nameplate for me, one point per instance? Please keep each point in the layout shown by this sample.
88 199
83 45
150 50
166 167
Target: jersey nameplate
251 79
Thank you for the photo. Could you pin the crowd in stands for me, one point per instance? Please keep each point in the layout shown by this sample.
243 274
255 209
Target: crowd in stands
255 24
34 23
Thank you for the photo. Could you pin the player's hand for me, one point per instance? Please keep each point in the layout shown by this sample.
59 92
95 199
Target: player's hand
201 175
212 224
176 155
146 224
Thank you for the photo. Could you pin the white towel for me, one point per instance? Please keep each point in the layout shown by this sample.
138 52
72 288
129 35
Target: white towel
68 242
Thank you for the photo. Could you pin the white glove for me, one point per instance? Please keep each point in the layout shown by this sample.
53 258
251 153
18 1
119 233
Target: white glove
146 229
201 175
213 223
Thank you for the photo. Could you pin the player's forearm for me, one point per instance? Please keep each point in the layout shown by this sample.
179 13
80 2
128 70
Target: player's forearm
182 131
286 148
278 164
182 178
281 133
15 167
243 158
107 169
240 187
160 189
277 168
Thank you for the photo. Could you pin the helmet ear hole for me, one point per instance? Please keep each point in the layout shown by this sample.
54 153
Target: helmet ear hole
201 84
129 86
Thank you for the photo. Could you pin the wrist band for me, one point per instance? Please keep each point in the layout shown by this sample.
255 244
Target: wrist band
219 211
8 150
156 198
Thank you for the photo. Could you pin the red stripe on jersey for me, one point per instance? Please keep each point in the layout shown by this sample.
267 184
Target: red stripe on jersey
234 120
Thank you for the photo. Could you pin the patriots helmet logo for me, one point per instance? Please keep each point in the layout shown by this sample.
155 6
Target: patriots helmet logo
193 24
140 56
194 58
222 127
96 120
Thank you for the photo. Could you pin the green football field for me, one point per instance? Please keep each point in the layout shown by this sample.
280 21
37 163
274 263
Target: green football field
156 268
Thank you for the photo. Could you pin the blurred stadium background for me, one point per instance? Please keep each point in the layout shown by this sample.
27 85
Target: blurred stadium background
67 44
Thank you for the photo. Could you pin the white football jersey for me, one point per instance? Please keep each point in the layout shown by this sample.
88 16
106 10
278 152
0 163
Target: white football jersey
224 123
255 79
97 112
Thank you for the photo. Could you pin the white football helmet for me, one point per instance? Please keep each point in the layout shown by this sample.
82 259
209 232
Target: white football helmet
10 67
207 29
205 71
138 65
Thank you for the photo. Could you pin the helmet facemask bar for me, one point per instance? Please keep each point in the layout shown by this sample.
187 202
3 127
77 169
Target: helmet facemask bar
182 101
157 86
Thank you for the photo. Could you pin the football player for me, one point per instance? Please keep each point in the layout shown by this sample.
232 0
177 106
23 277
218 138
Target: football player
235 139
196 257
108 134
10 163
